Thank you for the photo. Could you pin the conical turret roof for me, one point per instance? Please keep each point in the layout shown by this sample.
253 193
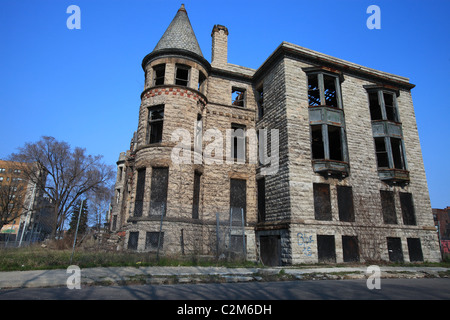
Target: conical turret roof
179 35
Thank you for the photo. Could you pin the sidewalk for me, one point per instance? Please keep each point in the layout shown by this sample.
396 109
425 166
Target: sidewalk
181 275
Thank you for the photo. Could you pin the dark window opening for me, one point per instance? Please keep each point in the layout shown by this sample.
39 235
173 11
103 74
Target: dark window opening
155 124
313 90
159 72
238 141
350 248
196 198
395 249
330 93
260 103
407 205
391 113
114 224
381 152
397 153
182 75
158 193
140 189
238 200
261 183
238 97
317 142
375 107
154 239
388 207
326 249
133 240
414 249
345 204
270 247
335 143
322 203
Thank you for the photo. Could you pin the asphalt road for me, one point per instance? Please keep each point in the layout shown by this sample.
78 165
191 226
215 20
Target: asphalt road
391 289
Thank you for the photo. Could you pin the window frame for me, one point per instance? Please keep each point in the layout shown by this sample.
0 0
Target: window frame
156 79
185 82
152 124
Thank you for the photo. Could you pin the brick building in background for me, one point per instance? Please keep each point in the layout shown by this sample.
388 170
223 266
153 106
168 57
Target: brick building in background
345 181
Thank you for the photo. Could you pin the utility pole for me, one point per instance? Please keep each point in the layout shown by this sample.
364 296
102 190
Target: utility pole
76 231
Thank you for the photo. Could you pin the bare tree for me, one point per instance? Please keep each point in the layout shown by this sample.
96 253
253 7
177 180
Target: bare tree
69 174
12 196
100 202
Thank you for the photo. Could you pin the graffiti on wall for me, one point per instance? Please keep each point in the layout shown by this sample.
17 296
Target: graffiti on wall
445 245
304 242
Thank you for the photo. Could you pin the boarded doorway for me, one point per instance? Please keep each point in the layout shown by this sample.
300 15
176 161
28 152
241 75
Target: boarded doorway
270 250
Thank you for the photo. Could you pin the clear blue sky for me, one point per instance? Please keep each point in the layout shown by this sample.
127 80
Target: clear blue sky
83 86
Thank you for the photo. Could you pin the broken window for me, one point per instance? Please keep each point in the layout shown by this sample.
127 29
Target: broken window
238 141
335 143
350 248
153 240
407 205
327 147
238 97
155 124
345 203
238 200
383 105
317 142
324 90
395 249
159 72
158 193
375 108
140 188
322 203
390 106
381 153
261 184
388 207
133 240
326 249
397 153
182 74
414 249
196 197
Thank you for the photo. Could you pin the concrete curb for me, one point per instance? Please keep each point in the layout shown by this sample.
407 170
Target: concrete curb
183 275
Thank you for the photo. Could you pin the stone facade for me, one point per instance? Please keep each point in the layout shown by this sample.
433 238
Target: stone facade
349 184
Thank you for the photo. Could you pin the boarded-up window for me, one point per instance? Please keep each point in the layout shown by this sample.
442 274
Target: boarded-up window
140 187
270 247
415 249
133 240
388 207
238 200
322 204
261 199
350 248
345 203
395 249
326 248
158 195
406 202
153 239
196 197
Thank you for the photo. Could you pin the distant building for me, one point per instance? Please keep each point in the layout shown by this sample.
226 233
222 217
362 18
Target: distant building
339 175
29 208
442 222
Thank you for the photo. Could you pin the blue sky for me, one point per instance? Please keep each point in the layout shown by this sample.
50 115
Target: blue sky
83 86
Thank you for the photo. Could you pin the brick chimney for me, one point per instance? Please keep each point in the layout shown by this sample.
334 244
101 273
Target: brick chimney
219 56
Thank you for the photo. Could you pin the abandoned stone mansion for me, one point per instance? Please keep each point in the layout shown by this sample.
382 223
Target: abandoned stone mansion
338 174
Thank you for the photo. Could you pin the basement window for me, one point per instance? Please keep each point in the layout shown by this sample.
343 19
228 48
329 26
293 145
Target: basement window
326 248
395 249
159 72
155 124
238 97
182 74
414 249
350 248
153 240
133 240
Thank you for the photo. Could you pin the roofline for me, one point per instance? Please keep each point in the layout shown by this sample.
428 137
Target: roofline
320 59
177 52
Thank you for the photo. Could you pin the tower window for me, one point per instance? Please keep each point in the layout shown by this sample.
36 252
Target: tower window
159 72
155 124
182 75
